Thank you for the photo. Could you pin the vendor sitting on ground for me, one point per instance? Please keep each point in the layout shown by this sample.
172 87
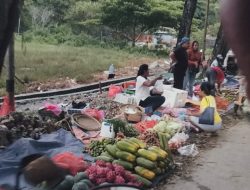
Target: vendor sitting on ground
145 96
207 101
215 75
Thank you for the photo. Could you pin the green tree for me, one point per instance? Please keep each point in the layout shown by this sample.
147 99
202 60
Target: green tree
132 17
84 16
165 13
126 16
187 18
59 8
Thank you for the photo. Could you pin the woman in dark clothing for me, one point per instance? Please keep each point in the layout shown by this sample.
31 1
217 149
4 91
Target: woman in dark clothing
180 56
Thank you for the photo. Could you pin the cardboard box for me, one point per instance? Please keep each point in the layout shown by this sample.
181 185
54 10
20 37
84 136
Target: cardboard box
175 98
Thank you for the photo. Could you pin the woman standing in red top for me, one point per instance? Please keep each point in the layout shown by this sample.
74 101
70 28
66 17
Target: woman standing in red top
194 61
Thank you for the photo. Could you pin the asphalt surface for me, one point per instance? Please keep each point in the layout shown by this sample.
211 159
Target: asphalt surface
225 167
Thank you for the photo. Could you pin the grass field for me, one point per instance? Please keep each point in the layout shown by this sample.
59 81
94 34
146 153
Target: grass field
42 62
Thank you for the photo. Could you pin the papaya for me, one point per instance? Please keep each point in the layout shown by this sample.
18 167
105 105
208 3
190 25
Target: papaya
106 154
80 186
125 156
143 180
148 174
104 158
131 142
147 154
111 149
162 164
161 153
80 176
125 146
148 164
158 171
125 164
139 142
88 182
66 184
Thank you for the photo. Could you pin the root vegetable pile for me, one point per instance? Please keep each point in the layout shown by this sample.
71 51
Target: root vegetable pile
150 137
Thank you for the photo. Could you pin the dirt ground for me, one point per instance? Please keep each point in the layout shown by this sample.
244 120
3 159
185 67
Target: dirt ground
158 65
223 161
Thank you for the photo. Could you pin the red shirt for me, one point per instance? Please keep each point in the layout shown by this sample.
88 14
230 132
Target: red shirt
193 56
220 76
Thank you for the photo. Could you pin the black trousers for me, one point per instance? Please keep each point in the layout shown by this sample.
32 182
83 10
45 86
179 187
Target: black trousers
152 101
179 79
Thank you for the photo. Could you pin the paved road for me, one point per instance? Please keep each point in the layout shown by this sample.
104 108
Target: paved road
225 167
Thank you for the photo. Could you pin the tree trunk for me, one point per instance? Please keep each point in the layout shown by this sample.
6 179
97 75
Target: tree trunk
220 46
9 14
134 35
187 17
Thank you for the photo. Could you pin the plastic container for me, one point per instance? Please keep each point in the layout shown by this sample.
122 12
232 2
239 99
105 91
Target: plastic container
125 98
107 130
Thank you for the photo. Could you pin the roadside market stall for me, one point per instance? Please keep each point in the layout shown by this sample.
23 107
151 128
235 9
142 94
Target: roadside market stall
110 139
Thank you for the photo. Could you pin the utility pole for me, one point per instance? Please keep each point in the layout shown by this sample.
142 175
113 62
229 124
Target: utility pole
11 75
205 29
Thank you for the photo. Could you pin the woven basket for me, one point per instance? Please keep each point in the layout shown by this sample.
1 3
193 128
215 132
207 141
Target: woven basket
85 122
133 117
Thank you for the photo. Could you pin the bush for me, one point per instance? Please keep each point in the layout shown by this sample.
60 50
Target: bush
63 35
27 36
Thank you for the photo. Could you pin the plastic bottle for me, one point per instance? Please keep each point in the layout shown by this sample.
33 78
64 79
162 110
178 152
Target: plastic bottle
111 69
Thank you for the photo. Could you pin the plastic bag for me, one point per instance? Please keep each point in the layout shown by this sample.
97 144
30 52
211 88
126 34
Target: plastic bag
189 150
6 109
113 90
56 109
144 125
177 140
95 113
69 161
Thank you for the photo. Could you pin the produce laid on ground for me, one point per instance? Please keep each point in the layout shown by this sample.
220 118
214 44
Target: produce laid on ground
105 172
145 162
139 154
150 137
78 182
120 126
230 94
18 125
96 147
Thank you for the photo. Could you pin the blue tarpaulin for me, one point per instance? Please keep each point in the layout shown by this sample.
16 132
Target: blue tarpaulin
49 144
231 82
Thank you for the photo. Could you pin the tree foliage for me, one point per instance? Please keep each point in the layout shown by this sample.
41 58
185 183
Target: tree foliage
110 19
132 17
